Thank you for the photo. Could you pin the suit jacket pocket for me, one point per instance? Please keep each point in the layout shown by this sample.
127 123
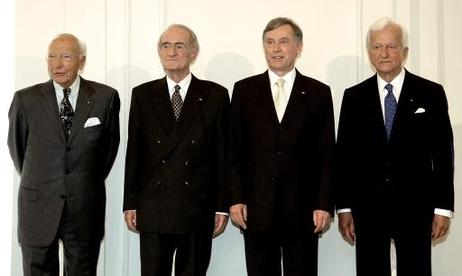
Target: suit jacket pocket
92 133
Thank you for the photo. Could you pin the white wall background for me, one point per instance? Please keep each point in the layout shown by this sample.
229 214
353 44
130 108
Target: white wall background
121 37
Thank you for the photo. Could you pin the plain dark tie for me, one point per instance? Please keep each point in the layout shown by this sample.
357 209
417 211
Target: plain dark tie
390 109
66 113
177 102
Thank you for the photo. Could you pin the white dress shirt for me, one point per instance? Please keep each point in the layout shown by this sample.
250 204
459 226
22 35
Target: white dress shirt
72 96
289 79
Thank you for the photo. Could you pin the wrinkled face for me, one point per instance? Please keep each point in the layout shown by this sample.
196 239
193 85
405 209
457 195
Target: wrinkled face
64 60
176 52
281 49
386 52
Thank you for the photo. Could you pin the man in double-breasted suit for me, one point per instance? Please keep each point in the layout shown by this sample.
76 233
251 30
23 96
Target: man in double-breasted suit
395 161
175 162
63 138
280 159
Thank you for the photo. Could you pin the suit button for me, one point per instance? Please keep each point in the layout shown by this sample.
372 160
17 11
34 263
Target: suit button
186 163
186 183
158 141
68 149
193 141
281 129
158 182
280 152
387 180
63 197
68 171
164 162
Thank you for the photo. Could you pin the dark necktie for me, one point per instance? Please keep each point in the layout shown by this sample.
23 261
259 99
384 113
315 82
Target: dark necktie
66 113
390 109
177 102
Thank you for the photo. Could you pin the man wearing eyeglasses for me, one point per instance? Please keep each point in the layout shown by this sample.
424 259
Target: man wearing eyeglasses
175 161
395 161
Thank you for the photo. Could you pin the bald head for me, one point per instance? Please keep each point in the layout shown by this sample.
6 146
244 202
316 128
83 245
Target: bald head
66 58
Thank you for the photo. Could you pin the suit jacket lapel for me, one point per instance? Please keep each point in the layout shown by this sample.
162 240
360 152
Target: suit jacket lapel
264 99
297 97
195 100
163 106
50 107
405 105
372 100
84 104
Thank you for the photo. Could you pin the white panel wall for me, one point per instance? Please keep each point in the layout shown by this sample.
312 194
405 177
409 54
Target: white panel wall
121 37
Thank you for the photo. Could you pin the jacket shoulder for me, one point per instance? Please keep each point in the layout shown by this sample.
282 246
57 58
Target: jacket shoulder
249 80
312 82
31 90
149 87
100 88
213 86
363 87
417 80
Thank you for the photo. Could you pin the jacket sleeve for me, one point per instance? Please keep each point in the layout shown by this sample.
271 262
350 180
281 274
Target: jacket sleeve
442 154
112 132
221 138
133 151
326 143
17 132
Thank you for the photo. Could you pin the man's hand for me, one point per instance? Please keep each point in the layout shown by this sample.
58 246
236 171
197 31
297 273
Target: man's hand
130 220
321 220
238 214
220 224
346 227
440 226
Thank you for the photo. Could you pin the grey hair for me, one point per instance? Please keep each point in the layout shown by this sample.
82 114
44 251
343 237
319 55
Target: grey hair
192 36
381 24
281 21
82 46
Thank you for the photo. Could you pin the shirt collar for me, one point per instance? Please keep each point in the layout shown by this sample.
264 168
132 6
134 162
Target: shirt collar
74 87
184 84
289 77
397 82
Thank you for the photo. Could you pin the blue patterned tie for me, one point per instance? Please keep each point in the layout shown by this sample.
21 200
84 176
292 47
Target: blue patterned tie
177 102
390 109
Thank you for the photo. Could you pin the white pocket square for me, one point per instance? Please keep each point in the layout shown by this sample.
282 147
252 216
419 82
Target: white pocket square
93 121
420 110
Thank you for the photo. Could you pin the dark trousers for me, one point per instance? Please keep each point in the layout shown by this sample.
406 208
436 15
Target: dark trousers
80 259
264 251
191 251
412 237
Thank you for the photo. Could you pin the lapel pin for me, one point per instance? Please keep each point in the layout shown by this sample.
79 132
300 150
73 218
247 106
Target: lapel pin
411 100
200 99
88 102
303 92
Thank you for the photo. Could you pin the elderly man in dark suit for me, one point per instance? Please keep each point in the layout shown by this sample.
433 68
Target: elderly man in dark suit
280 159
63 138
175 162
395 161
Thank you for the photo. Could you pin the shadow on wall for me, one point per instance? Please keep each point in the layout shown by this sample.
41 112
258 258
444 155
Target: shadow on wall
227 68
343 72
228 249
457 129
